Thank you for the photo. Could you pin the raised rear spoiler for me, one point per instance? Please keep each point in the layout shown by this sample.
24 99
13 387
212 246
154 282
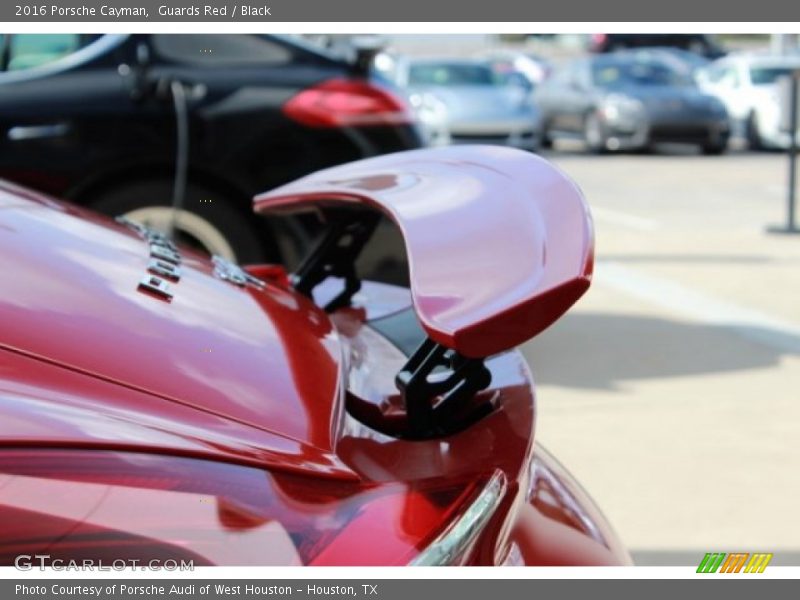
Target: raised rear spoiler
499 245
499 241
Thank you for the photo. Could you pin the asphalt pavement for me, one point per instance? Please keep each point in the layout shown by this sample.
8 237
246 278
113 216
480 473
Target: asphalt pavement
672 389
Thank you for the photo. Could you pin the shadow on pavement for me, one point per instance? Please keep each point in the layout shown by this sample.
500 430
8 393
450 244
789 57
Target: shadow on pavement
601 350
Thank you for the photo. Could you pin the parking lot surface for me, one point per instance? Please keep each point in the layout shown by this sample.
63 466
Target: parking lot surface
672 390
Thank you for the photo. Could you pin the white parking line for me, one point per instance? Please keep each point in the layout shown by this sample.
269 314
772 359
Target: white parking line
616 217
777 190
751 324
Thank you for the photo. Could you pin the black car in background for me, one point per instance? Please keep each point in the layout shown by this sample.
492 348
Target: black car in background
630 100
697 43
93 119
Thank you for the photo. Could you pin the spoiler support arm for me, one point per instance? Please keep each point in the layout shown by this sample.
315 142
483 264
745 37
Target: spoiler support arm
417 382
335 255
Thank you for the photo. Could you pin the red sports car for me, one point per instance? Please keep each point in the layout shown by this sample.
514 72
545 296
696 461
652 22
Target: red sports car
158 405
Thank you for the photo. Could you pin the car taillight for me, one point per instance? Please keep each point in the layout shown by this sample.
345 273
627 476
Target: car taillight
598 39
75 505
347 103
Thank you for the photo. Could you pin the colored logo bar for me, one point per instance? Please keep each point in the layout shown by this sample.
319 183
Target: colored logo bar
735 562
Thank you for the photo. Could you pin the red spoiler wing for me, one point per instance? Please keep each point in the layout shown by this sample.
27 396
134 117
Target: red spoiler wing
499 241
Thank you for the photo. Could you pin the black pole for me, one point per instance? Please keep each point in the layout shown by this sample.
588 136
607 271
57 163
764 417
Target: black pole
793 152
791 200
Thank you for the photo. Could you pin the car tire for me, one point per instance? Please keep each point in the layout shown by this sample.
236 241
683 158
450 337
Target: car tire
594 136
753 133
545 140
209 221
714 148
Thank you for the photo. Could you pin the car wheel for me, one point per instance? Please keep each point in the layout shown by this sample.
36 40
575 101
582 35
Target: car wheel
594 135
208 221
753 133
714 148
545 141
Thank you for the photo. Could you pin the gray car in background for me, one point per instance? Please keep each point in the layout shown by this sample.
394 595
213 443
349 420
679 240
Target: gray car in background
630 100
482 105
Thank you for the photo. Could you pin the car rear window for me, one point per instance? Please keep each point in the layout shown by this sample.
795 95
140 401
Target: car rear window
644 72
221 49
29 50
451 74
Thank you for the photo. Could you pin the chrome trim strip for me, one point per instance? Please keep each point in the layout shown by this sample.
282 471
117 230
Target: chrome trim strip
21 133
450 546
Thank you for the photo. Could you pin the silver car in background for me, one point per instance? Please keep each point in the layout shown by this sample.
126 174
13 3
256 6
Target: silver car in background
482 105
